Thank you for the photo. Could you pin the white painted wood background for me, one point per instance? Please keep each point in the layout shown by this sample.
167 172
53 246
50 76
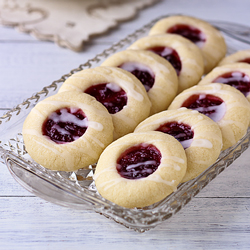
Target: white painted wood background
218 218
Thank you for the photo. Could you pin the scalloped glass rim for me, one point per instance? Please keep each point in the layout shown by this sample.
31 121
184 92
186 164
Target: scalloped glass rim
77 190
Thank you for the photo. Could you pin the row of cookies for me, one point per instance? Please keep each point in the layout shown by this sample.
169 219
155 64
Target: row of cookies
201 137
204 119
71 129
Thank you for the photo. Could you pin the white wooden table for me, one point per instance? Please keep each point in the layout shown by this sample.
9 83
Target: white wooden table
218 218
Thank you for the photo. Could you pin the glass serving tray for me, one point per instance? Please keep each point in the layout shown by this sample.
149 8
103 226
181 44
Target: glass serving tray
77 189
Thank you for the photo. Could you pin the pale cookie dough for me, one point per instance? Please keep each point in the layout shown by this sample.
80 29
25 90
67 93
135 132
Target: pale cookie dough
232 114
239 56
72 155
203 149
165 84
191 59
147 190
138 104
213 49
240 72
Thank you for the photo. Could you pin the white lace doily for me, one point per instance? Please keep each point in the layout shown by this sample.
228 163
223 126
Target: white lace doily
68 22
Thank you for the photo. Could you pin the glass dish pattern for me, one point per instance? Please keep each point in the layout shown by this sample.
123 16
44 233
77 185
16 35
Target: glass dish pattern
77 189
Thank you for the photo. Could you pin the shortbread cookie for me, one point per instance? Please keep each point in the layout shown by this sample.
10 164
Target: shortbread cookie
118 90
223 104
236 75
184 56
242 56
67 131
199 135
140 169
155 73
204 35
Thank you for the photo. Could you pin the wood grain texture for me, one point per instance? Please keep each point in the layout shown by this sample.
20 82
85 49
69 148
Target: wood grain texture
217 218
203 224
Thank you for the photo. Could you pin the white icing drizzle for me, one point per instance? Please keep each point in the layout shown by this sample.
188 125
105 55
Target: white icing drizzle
157 178
72 86
68 117
160 121
167 165
131 66
202 143
95 125
132 166
107 169
156 67
173 158
54 150
82 106
187 143
31 132
237 123
96 141
114 87
201 162
127 84
219 113
109 184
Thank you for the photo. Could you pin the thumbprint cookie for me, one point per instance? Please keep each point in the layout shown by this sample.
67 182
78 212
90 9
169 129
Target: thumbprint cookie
242 56
140 169
67 131
223 104
236 75
205 36
118 90
199 135
184 56
155 73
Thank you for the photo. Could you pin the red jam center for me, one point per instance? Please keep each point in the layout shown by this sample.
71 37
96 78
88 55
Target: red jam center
139 161
169 54
237 80
65 125
142 72
191 33
180 131
209 105
112 96
246 60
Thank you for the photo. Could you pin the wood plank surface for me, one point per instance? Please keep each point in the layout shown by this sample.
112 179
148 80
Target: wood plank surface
203 224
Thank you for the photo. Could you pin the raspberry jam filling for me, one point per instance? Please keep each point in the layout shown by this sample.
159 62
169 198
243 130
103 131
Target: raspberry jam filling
112 96
65 125
209 105
237 80
180 131
246 60
169 54
191 33
142 72
138 161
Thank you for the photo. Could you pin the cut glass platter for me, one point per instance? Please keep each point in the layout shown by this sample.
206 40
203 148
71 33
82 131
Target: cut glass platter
77 189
